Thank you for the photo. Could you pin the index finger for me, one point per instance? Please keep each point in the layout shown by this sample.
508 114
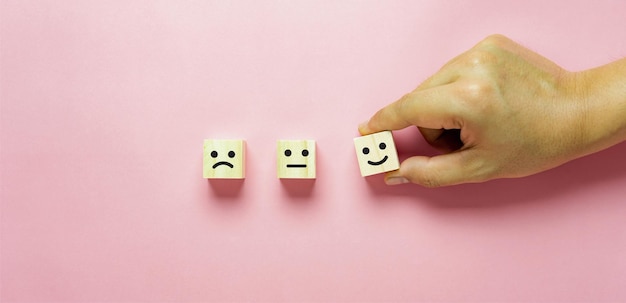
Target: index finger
433 108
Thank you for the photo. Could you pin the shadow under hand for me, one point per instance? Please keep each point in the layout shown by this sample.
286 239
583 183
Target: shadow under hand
577 175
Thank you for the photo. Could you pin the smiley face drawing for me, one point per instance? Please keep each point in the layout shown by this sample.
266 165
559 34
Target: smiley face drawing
224 159
376 153
295 159
381 146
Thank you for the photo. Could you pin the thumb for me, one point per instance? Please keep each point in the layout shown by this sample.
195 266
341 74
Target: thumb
443 170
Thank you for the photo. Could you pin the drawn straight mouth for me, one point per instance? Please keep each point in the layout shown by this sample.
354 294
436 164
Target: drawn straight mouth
379 162
296 165
222 163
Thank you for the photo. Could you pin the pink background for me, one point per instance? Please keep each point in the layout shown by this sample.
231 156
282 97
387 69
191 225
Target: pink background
105 105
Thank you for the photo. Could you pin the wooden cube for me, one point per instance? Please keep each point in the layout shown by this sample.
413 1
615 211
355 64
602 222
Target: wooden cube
376 153
224 159
295 159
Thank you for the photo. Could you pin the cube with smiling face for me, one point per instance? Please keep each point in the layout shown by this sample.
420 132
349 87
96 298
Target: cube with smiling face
376 153
295 159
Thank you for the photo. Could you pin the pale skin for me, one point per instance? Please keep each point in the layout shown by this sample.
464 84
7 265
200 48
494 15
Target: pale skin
500 110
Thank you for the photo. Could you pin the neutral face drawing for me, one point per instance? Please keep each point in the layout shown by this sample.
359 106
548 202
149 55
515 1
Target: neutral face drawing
305 153
295 159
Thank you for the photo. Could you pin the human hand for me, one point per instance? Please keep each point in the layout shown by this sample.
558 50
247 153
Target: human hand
498 110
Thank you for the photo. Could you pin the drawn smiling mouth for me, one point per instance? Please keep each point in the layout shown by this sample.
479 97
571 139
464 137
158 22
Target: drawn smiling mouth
296 165
379 162
222 163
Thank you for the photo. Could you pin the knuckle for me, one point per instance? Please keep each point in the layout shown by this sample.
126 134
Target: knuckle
404 104
406 98
477 98
477 89
480 58
485 53
494 40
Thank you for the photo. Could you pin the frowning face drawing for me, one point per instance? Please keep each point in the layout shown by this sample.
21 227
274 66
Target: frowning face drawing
224 159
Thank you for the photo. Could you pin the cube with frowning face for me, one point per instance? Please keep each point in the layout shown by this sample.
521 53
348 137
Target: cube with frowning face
224 159
295 159
376 153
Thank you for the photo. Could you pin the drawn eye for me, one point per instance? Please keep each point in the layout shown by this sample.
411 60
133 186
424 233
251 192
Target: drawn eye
305 152
366 150
231 154
382 145
287 152
214 154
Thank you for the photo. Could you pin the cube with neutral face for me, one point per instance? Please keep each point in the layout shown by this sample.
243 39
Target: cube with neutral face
224 159
376 153
295 159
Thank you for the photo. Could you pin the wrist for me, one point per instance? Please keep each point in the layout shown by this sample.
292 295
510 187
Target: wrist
601 97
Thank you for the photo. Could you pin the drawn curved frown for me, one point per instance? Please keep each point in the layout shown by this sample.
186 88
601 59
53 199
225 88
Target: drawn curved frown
224 159
231 154
295 159
376 153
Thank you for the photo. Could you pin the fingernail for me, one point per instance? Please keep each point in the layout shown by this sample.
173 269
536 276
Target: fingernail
396 181
363 125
